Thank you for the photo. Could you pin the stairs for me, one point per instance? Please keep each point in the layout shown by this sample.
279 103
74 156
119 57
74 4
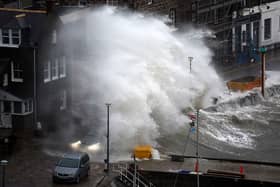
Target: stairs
127 176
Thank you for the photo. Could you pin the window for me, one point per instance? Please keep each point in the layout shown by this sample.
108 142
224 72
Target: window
16 72
243 36
172 16
11 36
193 17
17 107
5 79
63 100
62 67
112 2
55 69
279 23
15 37
7 107
5 36
267 28
47 71
28 106
54 37
256 34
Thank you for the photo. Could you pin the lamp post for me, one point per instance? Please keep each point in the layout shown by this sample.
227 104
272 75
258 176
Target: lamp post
3 164
108 139
190 59
134 173
197 144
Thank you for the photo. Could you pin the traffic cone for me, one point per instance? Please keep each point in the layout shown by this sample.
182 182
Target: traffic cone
196 166
241 170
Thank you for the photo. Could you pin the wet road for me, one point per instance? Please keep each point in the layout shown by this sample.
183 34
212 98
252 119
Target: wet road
30 166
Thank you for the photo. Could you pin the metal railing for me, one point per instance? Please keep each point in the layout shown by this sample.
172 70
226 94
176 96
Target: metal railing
127 174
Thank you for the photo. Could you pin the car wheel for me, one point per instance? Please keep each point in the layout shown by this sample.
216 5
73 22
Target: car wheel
78 179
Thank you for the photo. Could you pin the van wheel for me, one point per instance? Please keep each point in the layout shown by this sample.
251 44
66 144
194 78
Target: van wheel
78 179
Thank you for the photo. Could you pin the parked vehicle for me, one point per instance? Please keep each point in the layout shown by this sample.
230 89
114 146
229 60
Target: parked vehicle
72 167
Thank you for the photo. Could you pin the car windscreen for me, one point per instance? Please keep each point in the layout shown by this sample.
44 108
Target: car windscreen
69 163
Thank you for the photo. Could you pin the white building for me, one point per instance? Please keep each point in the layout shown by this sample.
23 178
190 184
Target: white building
265 31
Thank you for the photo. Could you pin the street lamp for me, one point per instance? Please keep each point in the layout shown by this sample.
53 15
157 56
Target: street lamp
107 161
3 163
197 144
190 59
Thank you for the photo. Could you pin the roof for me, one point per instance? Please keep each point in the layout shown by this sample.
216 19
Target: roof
71 14
6 96
21 19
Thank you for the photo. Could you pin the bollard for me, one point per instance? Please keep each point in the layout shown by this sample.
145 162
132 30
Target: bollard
241 170
196 166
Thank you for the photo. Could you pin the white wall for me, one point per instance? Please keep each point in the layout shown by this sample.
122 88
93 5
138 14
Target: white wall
274 13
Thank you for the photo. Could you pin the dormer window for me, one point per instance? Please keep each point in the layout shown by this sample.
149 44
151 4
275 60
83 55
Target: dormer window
5 36
11 37
15 37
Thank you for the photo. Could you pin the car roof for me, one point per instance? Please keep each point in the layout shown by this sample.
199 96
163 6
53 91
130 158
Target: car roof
74 155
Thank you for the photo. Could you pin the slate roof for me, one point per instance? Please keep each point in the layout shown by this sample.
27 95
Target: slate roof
6 96
21 20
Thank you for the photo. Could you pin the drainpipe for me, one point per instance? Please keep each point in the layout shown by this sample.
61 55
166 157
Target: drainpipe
34 88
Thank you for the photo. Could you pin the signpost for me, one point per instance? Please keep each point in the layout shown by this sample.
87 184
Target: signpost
263 51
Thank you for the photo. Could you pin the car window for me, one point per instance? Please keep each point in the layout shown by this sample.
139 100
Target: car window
69 163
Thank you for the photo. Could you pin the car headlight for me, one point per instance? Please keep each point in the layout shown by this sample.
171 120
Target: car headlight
6 140
76 145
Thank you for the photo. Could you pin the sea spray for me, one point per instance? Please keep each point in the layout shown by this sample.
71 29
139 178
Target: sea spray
140 65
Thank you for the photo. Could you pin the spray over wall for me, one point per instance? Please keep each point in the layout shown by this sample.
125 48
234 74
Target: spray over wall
140 65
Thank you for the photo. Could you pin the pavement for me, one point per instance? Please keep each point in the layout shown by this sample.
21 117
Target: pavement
251 171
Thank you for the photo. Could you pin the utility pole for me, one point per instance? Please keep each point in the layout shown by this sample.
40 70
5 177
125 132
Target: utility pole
190 59
197 144
35 88
263 51
3 163
108 138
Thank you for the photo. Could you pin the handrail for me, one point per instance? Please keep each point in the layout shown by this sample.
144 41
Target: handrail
123 170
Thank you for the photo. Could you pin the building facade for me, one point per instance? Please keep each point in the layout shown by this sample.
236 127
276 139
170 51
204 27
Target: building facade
35 89
179 12
255 27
